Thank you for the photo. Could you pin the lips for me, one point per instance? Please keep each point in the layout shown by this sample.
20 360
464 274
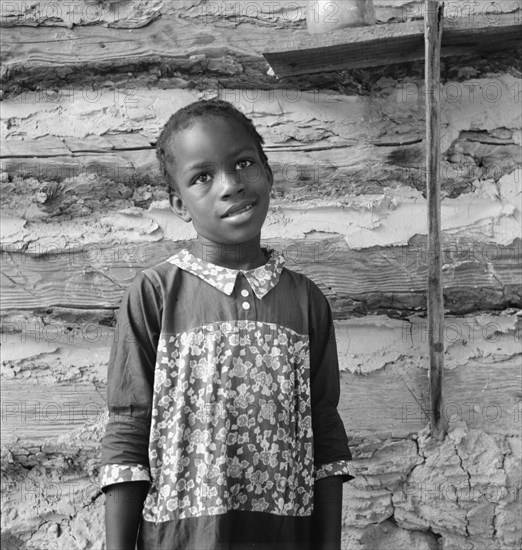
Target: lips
239 208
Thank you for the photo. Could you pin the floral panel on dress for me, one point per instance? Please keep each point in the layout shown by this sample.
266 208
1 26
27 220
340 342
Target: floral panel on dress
121 473
231 422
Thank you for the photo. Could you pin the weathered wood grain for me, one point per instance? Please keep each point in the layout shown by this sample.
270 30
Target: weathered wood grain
391 43
320 144
37 412
81 101
357 282
390 402
300 171
189 48
53 146
169 44
111 13
296 169
395 400
139 13
433 28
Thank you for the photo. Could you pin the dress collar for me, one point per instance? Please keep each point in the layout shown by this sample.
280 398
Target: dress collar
261 279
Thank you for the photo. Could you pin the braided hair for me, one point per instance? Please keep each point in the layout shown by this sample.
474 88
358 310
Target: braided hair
185 117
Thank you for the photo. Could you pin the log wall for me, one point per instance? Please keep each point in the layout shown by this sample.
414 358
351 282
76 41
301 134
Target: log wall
86 88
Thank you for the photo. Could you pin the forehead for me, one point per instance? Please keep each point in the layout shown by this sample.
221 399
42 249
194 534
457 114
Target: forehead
210 136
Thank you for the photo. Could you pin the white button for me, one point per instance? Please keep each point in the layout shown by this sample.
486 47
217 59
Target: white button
244 293
246 305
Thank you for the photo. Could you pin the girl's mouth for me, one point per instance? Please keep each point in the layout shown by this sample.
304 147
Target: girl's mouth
238 210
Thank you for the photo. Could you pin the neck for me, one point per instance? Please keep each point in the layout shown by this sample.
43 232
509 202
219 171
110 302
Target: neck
247 255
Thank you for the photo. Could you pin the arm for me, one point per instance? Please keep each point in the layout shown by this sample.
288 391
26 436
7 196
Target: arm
125 473
123 507
327 515
332 456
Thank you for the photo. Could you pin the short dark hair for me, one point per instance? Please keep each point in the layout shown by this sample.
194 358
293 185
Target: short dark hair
185 117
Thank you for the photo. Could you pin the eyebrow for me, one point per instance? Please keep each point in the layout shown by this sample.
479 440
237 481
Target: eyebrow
205 165
199 166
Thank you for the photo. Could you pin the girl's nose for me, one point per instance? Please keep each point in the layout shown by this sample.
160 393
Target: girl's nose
230 182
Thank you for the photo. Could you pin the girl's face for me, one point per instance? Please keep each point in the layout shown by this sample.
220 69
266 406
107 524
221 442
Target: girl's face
223 184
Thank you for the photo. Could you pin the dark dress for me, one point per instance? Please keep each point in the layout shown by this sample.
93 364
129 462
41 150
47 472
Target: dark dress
222 392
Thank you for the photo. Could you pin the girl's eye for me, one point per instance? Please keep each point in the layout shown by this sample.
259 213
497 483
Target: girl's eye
242 164
202 178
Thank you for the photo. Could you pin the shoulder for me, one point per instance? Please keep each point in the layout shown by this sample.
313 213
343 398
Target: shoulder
161 272
155 280
305 284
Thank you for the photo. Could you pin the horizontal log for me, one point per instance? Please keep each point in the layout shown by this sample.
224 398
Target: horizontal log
14 321
297 170
271 13
114 13
35 412
390 402
390 218
170 44
172 47
52 146
300 173
320 144
477 275
396 401
391 43
72 347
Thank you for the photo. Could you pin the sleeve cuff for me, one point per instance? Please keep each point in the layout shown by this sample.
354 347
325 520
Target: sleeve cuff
340 468
121 473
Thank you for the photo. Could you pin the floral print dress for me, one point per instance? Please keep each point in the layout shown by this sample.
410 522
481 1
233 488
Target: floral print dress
222 391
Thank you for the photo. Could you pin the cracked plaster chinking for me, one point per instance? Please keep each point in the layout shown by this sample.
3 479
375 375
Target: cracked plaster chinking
485 337
389 124
73 114
441 491
460 491
499 190
391 218
50 493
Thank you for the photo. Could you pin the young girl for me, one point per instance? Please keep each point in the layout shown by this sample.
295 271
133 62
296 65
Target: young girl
223 384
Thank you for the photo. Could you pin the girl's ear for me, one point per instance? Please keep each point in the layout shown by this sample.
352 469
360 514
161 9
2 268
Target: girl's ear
178 207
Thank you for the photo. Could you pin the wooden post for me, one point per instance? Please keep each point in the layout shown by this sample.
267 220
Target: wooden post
433 37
